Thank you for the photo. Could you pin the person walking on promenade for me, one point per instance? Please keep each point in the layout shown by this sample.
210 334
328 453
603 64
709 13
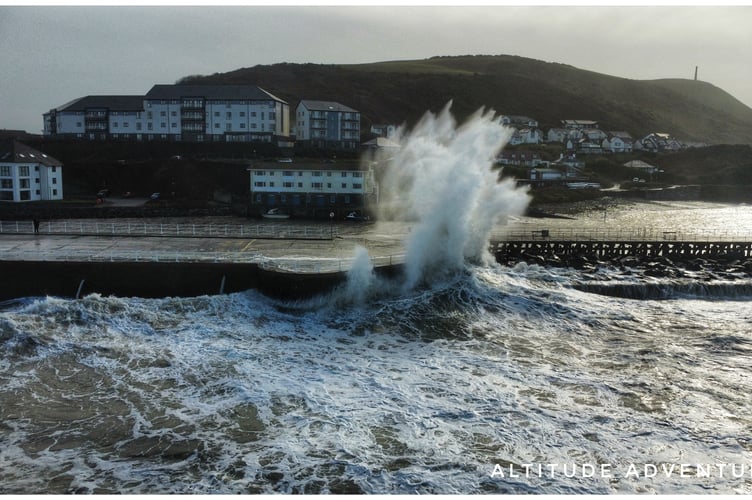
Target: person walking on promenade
36 226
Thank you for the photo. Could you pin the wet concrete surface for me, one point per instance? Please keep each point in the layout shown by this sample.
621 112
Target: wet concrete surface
384 242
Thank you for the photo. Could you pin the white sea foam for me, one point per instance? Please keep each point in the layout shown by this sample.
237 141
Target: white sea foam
442 177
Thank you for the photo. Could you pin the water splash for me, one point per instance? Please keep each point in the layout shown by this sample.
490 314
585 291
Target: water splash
442 177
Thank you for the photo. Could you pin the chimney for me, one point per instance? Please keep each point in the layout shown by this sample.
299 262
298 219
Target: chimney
695 73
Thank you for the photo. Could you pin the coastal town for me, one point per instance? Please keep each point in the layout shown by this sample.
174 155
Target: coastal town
247 114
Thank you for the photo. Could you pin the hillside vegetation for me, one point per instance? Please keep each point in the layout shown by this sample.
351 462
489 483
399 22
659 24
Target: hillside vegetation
402 91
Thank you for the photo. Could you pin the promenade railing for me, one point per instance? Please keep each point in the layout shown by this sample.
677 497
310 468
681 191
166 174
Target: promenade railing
138 228
289 264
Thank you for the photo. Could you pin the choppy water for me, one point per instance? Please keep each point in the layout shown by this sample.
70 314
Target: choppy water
437 390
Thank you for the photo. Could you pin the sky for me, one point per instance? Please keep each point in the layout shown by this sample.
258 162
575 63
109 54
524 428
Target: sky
52 54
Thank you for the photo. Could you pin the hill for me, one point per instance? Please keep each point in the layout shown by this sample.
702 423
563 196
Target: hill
402 91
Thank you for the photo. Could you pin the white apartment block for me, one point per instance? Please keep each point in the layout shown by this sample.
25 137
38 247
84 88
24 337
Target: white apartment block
189 113
327 124
312 188
28 175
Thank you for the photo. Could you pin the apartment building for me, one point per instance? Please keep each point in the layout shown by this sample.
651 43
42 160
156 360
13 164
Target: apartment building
27 174
312 189
188 113
327 125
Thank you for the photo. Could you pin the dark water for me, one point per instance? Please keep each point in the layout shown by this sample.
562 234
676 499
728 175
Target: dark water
443 389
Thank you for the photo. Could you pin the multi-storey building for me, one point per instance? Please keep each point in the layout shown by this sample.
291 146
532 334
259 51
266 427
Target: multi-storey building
312 189
27 174
327 125
190 113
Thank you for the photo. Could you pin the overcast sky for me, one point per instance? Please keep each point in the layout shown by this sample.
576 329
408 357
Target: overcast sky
52 54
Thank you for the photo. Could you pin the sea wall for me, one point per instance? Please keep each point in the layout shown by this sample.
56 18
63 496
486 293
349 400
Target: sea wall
155 279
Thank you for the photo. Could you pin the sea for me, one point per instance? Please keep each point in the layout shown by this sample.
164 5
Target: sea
478 379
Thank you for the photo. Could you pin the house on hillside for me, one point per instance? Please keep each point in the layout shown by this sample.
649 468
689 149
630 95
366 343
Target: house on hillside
617 142
579 124
657 141
520 158
312 189
327 125
27 174
584 146
525 136
519 121
557 135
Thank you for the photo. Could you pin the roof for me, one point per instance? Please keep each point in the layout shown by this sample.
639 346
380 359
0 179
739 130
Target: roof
111 102
326 106
639 164
12 151
211 92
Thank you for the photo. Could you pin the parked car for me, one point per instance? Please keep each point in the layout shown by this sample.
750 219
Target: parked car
155 196
103 193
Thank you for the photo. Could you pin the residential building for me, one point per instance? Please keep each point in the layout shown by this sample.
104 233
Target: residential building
327 125
519 121
657 141
557 135
618 142
27 174
525 136
579 124
312 189
382 130
189 113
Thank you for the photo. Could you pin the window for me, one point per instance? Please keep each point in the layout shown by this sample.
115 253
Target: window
344 174
316 174
5 171
23 171
329 185
174 125
357 186
114 124
216 113
300 184
6 184
216 125
357 174
287 184
316 185
229 115
271 184
54 180
287 173
54 192
242 113
344 185
242 125
174 113
149 126
163 125
125 124
162 113
260 172
259 184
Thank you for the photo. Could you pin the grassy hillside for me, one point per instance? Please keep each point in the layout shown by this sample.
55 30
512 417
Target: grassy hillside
401 91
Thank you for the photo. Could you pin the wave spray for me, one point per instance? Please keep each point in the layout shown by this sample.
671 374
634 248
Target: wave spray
442 178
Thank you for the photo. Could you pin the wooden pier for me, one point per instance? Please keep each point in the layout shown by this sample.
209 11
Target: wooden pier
506 251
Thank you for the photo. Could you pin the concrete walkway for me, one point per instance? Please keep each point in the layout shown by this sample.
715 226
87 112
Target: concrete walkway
383 242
